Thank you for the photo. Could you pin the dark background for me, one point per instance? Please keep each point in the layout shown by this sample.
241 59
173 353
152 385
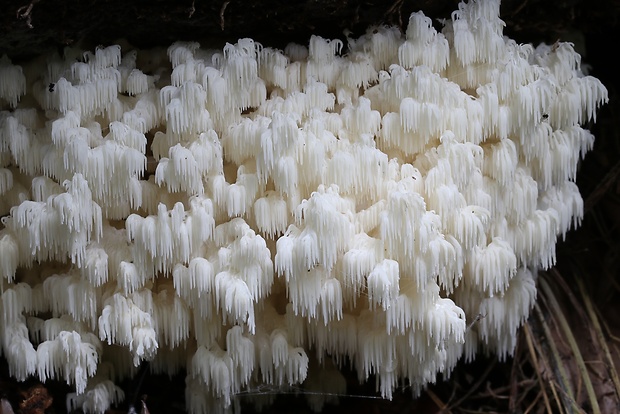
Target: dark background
28 29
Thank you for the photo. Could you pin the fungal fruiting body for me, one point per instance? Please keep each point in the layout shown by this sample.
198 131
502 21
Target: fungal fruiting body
248 214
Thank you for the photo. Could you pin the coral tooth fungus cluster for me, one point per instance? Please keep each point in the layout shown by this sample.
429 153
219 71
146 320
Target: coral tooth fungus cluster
352 203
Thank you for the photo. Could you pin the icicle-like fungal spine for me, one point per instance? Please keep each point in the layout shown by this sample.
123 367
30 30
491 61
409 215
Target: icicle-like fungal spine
12 81
221 213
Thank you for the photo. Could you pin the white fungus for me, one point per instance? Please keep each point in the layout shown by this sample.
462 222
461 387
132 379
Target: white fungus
253 214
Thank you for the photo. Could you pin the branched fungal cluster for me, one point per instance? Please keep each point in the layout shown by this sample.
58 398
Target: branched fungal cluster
345 204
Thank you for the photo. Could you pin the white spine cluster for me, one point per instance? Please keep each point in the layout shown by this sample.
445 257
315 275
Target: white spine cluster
352 208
